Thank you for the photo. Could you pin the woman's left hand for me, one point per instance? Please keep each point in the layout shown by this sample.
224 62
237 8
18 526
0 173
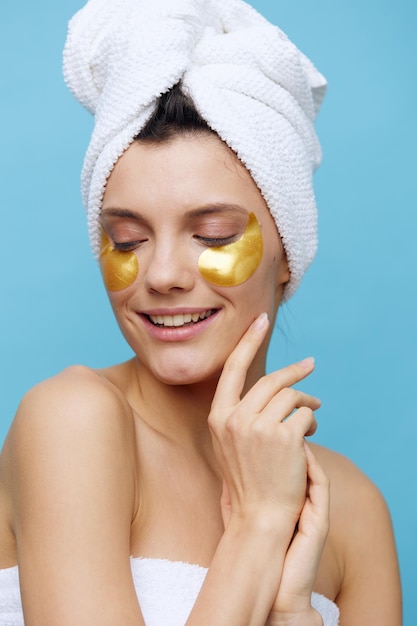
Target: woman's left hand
292 605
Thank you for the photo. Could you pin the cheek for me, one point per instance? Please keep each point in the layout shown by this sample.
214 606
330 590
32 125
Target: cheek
232 265
119 269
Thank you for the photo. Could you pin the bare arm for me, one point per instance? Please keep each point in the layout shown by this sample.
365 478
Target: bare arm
73 492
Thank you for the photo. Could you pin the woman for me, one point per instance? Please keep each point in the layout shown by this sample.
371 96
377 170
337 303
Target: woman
178 487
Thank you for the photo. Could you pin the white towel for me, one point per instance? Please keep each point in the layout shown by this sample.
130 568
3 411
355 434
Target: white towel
11 613
247 80
166 591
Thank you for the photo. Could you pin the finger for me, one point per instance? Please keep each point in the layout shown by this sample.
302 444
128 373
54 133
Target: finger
302 422
269 386
233 377
313 524
281 405
319 487
303 557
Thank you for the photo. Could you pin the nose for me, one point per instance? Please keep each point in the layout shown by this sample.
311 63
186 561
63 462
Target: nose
169 268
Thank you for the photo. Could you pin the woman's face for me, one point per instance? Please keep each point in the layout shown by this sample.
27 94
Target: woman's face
165 205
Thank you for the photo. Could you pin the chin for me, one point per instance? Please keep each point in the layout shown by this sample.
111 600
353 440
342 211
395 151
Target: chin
182 374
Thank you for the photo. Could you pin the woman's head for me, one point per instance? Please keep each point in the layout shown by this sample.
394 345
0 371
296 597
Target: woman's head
167 205
187 235
249 84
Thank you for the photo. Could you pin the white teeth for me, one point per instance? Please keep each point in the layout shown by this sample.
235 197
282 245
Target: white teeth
179 319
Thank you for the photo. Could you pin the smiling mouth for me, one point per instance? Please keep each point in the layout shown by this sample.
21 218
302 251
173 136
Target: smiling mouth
180 319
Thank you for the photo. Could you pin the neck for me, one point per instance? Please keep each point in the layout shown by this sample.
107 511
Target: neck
179 412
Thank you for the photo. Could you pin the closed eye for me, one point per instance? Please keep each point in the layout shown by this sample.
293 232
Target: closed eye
216 242
126 246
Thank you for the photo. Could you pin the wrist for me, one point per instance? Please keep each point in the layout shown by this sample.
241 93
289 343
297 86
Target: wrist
307 617
253 547
271 525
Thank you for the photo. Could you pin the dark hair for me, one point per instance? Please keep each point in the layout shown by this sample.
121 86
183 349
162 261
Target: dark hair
174 114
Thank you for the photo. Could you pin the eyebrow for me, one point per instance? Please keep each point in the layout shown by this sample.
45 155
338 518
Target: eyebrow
209 209
216 207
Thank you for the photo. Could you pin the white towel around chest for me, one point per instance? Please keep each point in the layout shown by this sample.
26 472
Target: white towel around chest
166 591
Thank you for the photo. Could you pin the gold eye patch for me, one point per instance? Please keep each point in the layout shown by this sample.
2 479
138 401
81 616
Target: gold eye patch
119 269
234 263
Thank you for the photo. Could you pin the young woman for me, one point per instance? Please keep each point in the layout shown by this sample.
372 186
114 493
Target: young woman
178 487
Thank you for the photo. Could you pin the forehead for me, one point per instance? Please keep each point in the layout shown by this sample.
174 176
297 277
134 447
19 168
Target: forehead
181 174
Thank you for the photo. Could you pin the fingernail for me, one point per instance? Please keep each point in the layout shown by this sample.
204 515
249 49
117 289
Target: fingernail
260 321
307 363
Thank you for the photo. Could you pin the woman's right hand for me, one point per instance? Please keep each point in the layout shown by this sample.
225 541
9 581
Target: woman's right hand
259 439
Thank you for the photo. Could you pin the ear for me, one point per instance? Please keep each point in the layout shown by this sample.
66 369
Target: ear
284 274
283 270
282 277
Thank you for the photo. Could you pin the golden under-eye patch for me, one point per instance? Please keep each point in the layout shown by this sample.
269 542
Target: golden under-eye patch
119 269
234 263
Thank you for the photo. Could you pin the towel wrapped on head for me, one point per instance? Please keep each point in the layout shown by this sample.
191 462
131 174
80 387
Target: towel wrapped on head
252 86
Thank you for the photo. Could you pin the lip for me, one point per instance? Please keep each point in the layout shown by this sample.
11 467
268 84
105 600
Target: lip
176 333
176 311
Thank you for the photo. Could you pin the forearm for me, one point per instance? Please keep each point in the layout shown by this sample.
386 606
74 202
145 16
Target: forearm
244 575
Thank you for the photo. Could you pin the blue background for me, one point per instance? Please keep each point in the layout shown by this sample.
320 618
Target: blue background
357 308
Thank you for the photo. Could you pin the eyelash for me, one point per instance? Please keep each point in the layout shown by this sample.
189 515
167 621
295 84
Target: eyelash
215 242
212 242
125 246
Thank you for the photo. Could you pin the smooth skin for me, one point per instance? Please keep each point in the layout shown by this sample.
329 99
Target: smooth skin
189 451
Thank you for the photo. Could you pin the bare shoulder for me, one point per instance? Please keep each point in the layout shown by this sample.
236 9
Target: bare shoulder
75 397
67 421
69 473
354 497
362 538
358 510
342 470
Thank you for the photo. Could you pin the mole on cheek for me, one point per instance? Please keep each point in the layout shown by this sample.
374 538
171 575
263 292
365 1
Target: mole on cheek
119 269
233 264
